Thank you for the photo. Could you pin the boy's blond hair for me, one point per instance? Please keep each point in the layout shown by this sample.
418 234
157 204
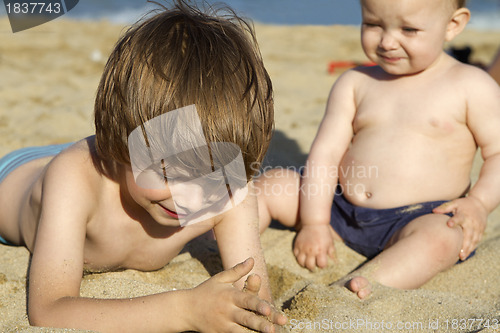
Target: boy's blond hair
182 56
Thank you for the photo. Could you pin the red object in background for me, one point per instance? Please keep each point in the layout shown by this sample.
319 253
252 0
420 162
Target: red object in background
344 65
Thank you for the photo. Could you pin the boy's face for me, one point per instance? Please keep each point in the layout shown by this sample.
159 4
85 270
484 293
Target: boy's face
157 202
175 173
404 36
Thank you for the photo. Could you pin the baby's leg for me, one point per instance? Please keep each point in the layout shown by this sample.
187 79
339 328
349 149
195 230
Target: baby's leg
277 193
415 254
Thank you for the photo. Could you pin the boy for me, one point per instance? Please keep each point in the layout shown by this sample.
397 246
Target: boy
181 87
394 152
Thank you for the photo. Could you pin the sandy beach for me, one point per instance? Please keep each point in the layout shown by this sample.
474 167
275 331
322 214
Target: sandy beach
48 79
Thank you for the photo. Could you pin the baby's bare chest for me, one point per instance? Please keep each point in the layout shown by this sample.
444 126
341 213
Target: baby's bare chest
425 112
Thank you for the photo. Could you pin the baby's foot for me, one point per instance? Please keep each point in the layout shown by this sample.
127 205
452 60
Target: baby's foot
360 286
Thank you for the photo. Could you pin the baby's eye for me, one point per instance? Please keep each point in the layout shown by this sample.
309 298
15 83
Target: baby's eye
370 25
409 30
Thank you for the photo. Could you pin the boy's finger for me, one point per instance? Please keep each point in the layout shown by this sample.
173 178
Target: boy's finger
253 321
252 284
252 303
277 317
235 273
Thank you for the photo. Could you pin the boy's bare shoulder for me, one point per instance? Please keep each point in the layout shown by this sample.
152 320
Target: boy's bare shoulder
74 170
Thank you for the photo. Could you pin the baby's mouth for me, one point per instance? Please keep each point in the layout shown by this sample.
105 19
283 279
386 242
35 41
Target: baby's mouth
389 58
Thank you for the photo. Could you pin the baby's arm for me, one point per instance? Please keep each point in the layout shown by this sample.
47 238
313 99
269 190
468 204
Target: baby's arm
56 272
483 119
314 242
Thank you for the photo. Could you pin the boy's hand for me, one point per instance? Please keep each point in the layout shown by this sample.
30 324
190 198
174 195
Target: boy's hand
313 246
216 306
470 214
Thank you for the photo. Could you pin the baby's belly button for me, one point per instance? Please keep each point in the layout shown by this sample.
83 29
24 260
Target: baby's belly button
359 191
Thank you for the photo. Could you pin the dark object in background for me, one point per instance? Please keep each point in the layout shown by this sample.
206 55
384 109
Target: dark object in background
463 54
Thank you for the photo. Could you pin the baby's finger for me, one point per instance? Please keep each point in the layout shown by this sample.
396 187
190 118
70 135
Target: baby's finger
331 253
322 260
445 208
252 284
476 238
466 244
301 259
455 220
311 262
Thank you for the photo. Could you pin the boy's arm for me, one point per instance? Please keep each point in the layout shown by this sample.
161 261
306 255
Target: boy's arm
238 237
314 242
483 119
56 272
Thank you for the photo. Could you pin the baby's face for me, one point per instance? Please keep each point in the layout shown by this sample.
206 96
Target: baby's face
404 36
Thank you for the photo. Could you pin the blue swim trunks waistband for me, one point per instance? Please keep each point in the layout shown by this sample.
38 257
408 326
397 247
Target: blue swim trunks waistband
3 241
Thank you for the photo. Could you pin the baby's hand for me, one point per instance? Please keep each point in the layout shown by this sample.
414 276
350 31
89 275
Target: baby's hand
470 214
313 246
216 306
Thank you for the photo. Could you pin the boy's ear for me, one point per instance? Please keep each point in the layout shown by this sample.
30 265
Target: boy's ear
457 23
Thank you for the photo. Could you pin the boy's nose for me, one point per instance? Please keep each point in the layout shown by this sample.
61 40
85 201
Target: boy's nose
188 200
193 199
388 41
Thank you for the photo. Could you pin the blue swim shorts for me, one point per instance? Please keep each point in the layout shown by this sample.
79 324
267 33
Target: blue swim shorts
13 160
367 230
3 241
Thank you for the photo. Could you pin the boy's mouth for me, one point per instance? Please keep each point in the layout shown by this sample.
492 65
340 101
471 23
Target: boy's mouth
171 212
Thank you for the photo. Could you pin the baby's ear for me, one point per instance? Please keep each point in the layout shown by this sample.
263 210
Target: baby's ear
457 23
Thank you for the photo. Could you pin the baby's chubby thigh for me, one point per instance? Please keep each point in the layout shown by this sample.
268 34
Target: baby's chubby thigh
430 239
277 192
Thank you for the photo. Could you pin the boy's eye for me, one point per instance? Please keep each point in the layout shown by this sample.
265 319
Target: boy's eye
370 25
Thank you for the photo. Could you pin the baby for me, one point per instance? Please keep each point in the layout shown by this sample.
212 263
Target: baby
388 172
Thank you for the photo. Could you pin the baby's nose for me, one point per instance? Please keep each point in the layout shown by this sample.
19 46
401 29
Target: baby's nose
388 41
